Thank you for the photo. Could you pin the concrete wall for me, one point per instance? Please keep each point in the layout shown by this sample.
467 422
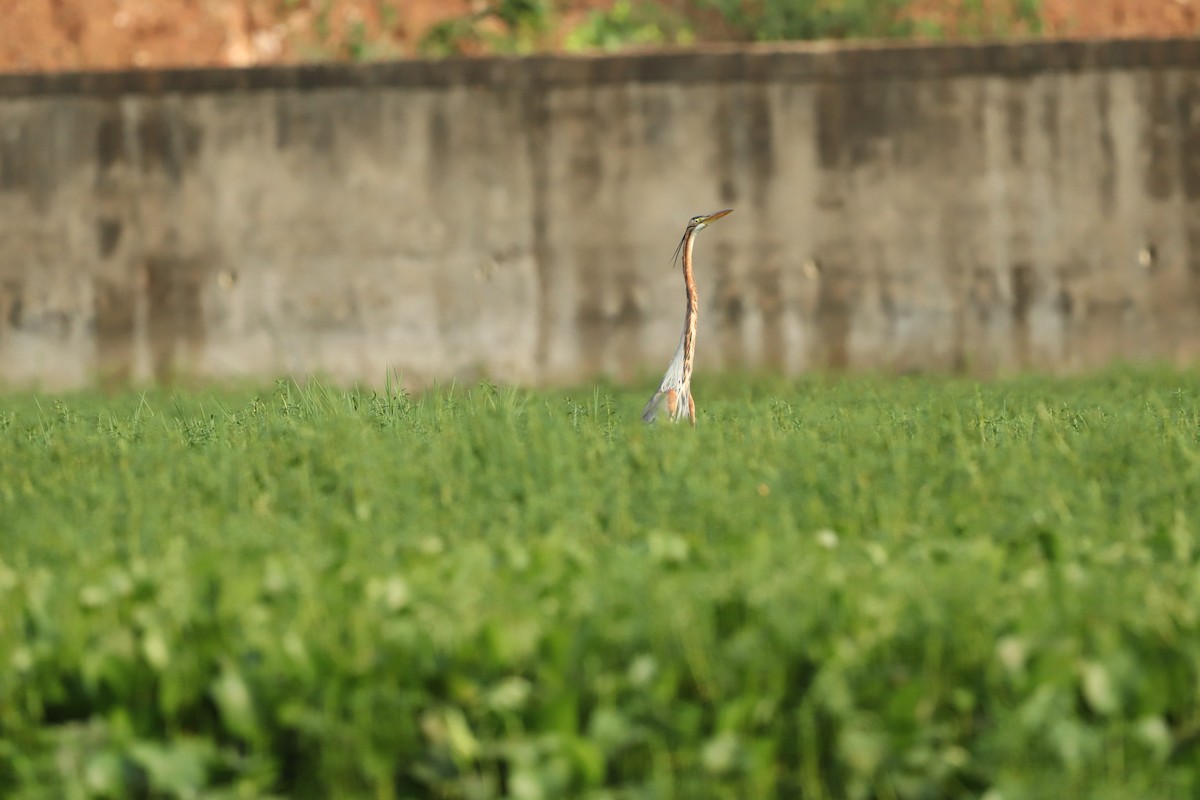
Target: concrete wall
988 208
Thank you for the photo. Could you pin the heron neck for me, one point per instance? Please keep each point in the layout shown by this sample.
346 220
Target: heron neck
693 308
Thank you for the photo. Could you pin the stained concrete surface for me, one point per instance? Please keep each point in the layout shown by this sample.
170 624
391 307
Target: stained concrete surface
982 208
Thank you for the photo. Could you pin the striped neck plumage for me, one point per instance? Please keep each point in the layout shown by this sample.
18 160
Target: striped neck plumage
693 308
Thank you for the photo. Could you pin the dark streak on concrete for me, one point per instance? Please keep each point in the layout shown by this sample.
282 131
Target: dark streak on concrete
440 145
1107 171
828 111
1156 139
15 169
1188 120
589 314
298 125
724 119
175 313
618 134
761 143
113 314
10 305
587 161
911 143
166 141
726 303
767 278
1014 120
1051 122
983 294
657 114
742 123
1193 264
536 115
627 339
1023 289
851 120
836 299
108 235
110 147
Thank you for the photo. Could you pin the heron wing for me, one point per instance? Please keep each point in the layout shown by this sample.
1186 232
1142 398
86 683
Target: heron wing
654 407
672 395
672 403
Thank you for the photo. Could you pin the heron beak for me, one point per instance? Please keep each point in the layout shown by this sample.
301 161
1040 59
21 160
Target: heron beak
714 217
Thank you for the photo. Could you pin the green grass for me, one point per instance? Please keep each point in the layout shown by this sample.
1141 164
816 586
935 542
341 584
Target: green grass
859 588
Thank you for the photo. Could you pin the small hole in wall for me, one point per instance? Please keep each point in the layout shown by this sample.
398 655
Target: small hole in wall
1148 256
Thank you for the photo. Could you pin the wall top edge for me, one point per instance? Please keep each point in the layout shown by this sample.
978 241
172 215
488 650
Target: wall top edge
758 63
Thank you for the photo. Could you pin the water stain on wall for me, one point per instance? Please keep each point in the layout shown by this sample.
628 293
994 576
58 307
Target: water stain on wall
1022 285
1107 169
15 162
586 163
852 120
767 278
1014 122
837 297
727 304
174 287
163 138
1188 119
166 141
10 305
108 235
303 124
1159 178
595 317
744 156
114 306
657 114
110 142
439 143
1051 122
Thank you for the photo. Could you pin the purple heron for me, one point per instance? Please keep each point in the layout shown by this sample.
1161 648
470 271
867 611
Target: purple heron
674 395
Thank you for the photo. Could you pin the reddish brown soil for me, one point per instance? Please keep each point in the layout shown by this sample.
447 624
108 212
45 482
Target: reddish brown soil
87 34
1088 18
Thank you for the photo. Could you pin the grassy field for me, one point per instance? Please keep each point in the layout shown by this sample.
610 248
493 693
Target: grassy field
861 588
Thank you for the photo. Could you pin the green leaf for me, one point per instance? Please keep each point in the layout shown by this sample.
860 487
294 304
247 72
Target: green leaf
179 767
1098 688
232 696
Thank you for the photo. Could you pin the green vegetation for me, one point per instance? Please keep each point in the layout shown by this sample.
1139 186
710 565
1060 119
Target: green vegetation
503 26
860 588
775 20
975 19
525 25
628 24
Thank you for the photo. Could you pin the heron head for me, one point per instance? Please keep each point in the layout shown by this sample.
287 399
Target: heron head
695 225
702 221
